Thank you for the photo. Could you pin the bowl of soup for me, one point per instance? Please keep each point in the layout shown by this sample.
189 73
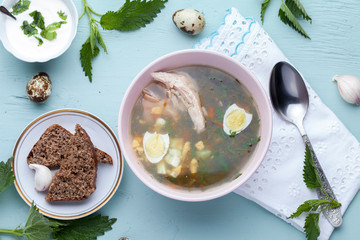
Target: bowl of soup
42 30
194 125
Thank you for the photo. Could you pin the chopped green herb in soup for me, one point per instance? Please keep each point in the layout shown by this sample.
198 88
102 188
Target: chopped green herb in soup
194 127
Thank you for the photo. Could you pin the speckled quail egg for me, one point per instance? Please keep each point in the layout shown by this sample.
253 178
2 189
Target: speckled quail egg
236 119
189 21
39 87
155 146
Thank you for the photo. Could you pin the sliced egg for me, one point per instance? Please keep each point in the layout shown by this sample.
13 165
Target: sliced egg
236 119
155 146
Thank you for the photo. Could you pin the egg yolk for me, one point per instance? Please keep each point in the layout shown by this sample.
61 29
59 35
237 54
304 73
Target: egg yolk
235 120
155 146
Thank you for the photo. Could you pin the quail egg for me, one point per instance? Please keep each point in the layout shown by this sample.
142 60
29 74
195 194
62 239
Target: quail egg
39 87
236 119
155 146
189 21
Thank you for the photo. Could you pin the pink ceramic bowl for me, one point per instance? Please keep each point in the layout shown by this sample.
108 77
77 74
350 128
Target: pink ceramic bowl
186 58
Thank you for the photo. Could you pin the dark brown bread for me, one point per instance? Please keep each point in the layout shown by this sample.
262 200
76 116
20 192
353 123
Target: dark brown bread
103 157
53 144
76 179
51 148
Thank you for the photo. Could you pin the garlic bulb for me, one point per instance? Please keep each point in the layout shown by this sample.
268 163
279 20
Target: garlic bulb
43 177
349 88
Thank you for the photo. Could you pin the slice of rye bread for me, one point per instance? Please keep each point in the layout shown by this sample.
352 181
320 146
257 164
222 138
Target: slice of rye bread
76 179
52 146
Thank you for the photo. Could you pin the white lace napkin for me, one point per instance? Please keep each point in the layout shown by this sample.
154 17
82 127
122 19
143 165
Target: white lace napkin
278 183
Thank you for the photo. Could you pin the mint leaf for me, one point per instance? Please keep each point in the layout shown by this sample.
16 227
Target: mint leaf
62 15
264 6
298 9
288 18
38 19
29 29
86 56
310 174
311 226
6 174
37 226
85 228
132 15
20 6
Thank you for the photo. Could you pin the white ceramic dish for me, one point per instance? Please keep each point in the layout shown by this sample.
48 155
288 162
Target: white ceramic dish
32 52
108 176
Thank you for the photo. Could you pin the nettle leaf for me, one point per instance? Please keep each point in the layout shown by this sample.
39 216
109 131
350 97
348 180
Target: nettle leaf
92 37
38 19
288 18
310 173
100 40
309 206
37 226
85 228
132 15
6 174
40 41
62 15
49 32
29 29
86 56
264 6
20 7
298 9
311 226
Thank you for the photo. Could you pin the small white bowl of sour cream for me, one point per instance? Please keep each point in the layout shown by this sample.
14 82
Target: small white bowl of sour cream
27 47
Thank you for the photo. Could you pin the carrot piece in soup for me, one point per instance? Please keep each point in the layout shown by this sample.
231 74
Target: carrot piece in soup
211 112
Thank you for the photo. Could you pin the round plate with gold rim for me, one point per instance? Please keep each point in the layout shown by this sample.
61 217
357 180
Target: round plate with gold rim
108 176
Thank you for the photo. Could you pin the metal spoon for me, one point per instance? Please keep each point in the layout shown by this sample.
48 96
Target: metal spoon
290 100
5 11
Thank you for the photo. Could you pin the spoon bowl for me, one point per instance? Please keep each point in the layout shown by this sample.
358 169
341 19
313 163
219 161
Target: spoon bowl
288 93
290 99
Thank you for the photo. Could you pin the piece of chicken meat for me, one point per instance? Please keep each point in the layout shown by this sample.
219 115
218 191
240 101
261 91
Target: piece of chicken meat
180 86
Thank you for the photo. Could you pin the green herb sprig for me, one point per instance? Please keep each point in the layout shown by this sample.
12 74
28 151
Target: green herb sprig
313 207
290 11
131 16
6 174
39 227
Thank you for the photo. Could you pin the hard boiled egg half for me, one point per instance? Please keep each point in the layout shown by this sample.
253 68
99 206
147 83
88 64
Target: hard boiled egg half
236 119
155 146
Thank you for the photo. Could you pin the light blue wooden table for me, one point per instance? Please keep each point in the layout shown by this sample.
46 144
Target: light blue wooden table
140 212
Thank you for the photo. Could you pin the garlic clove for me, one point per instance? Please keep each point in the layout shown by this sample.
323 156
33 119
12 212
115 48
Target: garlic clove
349 88
43 177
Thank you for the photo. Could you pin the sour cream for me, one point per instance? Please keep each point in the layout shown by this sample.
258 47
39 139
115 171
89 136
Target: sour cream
27 47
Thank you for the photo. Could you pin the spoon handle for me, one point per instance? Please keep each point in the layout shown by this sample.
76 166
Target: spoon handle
333 215
5 11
